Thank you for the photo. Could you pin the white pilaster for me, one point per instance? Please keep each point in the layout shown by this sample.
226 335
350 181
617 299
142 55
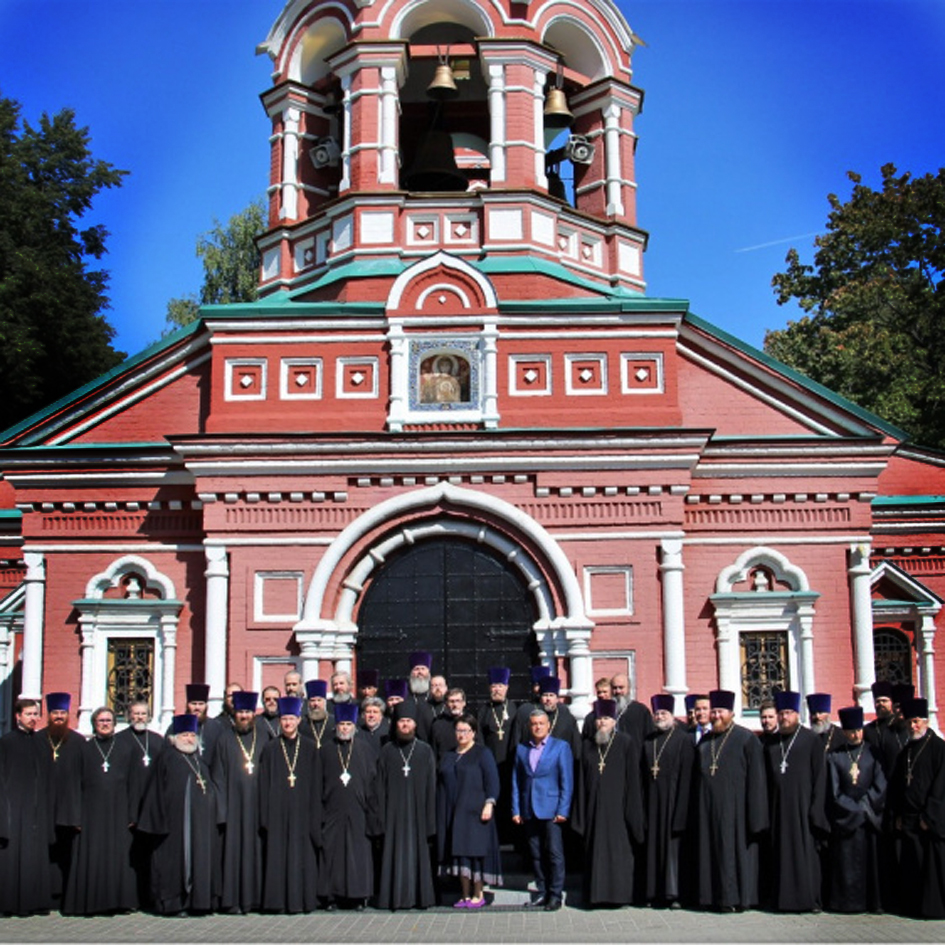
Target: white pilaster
399 381
346 105
541 76
490 377
927 665
581 670
387 172
290 164
218 585
862 607
674 627
496 78
612 161
87 687
168 671
34 607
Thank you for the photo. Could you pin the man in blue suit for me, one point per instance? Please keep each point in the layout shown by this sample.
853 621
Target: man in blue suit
542 786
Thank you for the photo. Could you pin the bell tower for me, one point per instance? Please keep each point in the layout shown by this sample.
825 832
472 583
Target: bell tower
499 132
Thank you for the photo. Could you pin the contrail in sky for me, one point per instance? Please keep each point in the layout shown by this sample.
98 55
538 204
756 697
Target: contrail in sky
787 239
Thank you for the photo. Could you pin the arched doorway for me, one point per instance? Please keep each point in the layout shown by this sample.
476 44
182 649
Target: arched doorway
457 599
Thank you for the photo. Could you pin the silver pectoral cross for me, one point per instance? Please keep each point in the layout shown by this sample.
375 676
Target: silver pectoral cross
249 767
146 760
345 778
105 766
406 770
783 767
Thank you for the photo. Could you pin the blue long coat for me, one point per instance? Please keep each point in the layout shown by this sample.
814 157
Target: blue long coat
464 783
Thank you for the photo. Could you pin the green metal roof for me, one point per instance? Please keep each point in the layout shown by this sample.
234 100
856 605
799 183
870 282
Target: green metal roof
908 500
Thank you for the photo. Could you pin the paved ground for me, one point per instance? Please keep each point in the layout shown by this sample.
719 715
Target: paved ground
495 925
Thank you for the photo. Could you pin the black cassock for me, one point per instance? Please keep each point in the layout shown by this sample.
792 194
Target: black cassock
855 812
184 816
666 770
65 753
635 721
608 813
731 812
796 792
236 777
886 740
290 819
345 864
26 823
406 812
917 796
102 879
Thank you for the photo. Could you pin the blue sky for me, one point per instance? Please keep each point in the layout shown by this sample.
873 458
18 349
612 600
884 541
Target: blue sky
754 111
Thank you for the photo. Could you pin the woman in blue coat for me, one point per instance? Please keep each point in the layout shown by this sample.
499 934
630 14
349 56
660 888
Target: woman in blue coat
467 839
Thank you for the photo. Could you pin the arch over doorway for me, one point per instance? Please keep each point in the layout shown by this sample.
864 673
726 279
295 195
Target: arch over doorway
561 627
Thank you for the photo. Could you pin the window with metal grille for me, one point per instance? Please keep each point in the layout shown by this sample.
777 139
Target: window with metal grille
764 665
892 655
130 674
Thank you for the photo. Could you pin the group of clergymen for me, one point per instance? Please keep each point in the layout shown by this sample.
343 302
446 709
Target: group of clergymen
332 798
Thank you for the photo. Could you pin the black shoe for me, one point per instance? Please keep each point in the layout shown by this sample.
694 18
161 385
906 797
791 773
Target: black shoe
553 905
538 903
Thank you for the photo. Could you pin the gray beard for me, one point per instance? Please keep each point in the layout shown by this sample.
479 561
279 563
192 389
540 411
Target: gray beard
419 686
601 737
318 715
916 736
344 738
622 702
339 698
818 728
664 726
140 726
186 749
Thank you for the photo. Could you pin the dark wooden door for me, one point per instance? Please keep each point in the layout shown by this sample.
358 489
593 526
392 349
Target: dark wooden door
461 602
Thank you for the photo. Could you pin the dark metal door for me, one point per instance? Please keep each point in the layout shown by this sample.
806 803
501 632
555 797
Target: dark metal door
461 602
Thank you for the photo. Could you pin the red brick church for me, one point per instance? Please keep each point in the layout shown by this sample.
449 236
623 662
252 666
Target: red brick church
455 420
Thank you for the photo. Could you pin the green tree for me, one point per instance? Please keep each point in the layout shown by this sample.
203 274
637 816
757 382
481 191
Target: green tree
53 335
874 303
230 265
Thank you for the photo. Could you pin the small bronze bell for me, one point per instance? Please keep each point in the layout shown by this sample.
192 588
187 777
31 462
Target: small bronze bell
443 86
557 113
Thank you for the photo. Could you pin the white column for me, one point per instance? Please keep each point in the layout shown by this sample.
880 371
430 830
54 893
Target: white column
862 607
290 164
674 627
345 182
726 639
399 380
168 674
541 178
927 662
387 173
34 613
496 79
805 617
87 694
581 670
218 585
310 652
612 159
490 376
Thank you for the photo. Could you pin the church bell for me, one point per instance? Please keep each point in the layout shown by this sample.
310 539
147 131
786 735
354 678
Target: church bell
443 86
434 168
557 113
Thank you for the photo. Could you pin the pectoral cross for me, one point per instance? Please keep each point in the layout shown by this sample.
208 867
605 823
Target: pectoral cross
249 767
501 734
909 777
783 767
713 768
105 766
291 779
854 772
202 783
601 765
345 778
406 770
656 770
146 760
55 754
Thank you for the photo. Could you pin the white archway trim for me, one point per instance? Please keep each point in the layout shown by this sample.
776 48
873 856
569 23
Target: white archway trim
581 47
784 571
444 287
135 616
414 16
116 572
447 262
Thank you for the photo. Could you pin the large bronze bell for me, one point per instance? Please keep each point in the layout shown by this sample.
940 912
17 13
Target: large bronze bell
434 168
443 86
557 113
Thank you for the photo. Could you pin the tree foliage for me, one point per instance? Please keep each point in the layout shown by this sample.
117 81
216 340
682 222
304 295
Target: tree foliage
874 302
53 335
230 265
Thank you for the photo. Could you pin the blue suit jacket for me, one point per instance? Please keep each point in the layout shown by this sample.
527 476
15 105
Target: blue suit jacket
546 792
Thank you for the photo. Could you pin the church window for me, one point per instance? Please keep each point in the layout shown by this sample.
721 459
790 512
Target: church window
764 656
130 674
892 655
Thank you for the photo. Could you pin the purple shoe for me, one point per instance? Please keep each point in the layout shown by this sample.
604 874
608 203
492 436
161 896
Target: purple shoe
461 904
474 904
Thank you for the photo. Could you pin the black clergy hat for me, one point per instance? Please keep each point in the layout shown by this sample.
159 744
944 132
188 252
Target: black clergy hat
722 699
851 718
368 678
405 710
882 689
662 701
916 709
197 692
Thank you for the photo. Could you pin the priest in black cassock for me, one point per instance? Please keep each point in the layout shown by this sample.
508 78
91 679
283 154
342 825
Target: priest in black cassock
607 811
235 772
418 683
917 808
731 809
102 880
794 763
348 770
181 810
316 724
666 772
406 815
26 824
268 720
633 717
495 729
290 815
373 724
65 750
208 730
563 723
146 746
520 731
856 794
889 732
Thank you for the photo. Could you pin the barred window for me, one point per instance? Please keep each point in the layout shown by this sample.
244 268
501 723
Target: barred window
892 655
130 674
764 657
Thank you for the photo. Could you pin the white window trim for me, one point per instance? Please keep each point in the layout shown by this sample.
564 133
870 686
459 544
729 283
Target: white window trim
369 393
230 391
626 360
627 571
570 360
259 580
514 390
285 378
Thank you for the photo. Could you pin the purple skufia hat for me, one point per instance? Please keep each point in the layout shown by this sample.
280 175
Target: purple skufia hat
605 709
421 658
819 702
539 672
245 701
722 699
851 718
396 688
549 684
346 712
197 692
58 701
185 723
315 688
787 700
290 705
664 701
690 701
368 678
499 675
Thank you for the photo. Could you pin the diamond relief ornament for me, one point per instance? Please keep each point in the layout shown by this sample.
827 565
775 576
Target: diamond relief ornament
460 229
586 375
357 378
246 380
424 231
530 376
642 374
301 379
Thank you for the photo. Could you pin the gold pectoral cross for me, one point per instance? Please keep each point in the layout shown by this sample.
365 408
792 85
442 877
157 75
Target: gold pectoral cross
601 765
656 770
